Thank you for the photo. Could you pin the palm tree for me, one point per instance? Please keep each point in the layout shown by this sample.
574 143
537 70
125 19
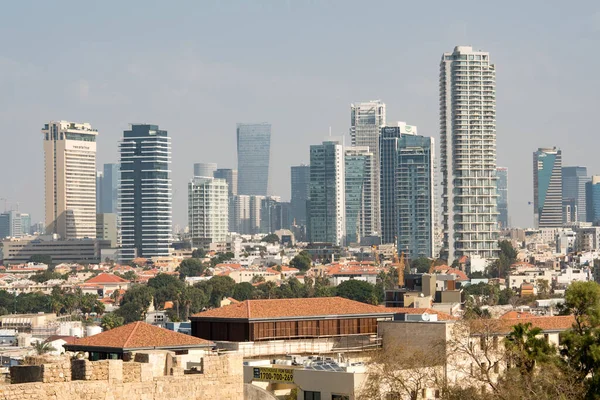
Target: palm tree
525 347
42 348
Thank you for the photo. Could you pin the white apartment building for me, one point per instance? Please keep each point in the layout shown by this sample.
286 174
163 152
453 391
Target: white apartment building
208 210
468 153
367 119
70 179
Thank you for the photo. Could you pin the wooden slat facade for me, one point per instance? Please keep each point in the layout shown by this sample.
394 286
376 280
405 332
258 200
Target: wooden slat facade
242 331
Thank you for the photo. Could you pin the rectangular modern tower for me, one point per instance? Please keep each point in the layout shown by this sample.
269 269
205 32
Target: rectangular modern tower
574 180
359 182
254 152
592 194
300 181
109 195
207 210
468 154
502 184
326 219
70 179
231 177
547 188
366 120
145 200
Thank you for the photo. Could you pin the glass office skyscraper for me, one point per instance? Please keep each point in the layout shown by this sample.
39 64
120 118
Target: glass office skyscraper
109 189
254 151
592 195
547 188
300 180
574 180
145 200
359 179
502 184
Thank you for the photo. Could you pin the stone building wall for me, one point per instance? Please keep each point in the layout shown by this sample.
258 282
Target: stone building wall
222 379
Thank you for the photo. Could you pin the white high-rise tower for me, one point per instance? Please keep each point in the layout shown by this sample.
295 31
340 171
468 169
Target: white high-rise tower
70 179
366 121
468 153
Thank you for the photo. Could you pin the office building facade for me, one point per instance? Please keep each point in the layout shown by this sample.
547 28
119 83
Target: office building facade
366 120
106 228
300 178
231 177
326 211
208 206
145 199
592 195
468 154
574 180
109 189
11 225
547 188
502 188
70 179
254 152
359 170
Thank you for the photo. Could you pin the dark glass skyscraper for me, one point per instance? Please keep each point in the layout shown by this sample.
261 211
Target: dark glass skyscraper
388 153
547 188
592 194
300 182
254 150
573 187
109 192
145 200
502 185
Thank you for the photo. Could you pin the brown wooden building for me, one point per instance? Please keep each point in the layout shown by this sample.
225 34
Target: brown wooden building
277 319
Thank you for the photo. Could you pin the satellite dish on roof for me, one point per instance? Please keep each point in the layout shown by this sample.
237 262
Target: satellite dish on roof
425 317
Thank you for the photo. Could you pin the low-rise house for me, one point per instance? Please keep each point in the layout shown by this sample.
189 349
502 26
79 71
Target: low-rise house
105 284
124 341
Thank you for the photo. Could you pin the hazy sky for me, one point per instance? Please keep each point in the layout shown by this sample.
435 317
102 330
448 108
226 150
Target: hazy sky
196 68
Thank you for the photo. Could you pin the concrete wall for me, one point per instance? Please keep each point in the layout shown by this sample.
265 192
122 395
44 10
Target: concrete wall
222 379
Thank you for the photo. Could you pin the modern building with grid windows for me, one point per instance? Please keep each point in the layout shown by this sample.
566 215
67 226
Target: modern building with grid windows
547 188
208 210
468 154
145 193
502 184
254 152
359 180
574 180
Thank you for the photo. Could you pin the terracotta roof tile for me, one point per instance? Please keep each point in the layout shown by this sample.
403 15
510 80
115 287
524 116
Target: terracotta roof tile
517 314
558 323
106 278
289 308
139 335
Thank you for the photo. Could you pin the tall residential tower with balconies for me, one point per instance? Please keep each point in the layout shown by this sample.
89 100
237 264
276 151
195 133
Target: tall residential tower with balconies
468 153
145 199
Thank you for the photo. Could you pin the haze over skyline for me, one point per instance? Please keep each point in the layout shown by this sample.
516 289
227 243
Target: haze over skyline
198 69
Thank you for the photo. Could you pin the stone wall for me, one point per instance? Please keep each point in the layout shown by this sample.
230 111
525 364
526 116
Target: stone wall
222 379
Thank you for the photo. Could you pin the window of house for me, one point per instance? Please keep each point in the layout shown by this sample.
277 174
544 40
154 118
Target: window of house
339 397
312 395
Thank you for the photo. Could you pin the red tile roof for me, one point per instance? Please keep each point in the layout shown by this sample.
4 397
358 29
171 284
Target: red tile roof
139 335
444 269
558 323
290 308
442 316
106 278
517 314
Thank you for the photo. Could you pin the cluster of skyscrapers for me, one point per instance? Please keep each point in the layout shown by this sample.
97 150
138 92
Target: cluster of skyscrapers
381 188
563 195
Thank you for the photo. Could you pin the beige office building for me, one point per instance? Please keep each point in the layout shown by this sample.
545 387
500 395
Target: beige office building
70 179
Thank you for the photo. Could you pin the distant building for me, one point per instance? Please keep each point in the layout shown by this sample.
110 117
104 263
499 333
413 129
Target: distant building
366 120
547 188
106 228
145 199
360 194
326 219
70 179
26 224
231 177
574 180
205 169
18 251
109 190
592 197
502 187
207 210
254 151
300 182
11 225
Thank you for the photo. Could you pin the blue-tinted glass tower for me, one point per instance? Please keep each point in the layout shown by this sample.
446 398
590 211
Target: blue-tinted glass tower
300 181
109 193
254 150
547 188
573 187
592 194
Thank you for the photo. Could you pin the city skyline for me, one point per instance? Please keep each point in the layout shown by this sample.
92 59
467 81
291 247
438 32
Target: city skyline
220 84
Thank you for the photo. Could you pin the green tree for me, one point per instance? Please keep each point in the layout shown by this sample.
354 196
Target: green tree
191 267
135 303
243 291
302 261
198 253
505 296
525 348
421 264
221 286
270 238
46 276
257 279
111 320
42 259
357 290
221 258
166 288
